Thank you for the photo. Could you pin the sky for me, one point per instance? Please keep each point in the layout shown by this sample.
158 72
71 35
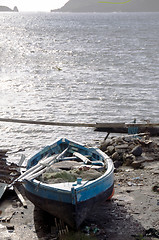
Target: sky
33 5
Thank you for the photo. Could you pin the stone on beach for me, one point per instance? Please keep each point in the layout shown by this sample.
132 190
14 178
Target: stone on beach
130 151
137 151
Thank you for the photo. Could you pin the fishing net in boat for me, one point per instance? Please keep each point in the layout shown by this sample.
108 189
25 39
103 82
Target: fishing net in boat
57 175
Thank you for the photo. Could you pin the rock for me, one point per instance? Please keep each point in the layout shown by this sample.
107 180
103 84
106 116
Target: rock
119 140
104 145
115 156
121 148
128 159
7 9
111 149
127 150
137 151
131 145
152 145
129 184
136 164
117 164
143 159
15 9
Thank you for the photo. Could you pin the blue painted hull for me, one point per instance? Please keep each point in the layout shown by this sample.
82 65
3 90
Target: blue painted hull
71 205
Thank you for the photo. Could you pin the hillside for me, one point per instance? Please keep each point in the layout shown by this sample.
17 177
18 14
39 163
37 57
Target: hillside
7 9
96 6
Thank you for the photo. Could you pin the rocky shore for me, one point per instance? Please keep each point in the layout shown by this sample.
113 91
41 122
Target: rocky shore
131 151
132 213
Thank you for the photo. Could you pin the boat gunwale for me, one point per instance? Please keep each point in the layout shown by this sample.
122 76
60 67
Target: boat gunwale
78 187
83 186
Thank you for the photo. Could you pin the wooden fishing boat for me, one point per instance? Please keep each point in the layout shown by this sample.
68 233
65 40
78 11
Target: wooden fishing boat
70 201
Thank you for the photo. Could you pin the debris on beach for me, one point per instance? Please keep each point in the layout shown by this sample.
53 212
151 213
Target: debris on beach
134 205
8 171
156 188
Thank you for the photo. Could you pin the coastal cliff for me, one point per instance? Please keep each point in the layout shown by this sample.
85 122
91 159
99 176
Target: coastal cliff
110 6
7 9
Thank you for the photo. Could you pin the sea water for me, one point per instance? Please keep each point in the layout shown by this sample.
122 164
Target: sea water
75 67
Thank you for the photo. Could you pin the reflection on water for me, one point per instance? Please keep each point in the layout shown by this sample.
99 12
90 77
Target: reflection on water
75 68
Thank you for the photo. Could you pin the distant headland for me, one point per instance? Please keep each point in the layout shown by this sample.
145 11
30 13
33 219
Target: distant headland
7 9
110 6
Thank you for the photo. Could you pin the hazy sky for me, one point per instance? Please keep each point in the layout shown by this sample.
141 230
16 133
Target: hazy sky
33 5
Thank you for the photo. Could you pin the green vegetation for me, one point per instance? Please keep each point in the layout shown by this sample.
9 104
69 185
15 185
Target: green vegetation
140 237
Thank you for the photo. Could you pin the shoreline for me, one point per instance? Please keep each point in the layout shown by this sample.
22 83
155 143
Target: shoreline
132 212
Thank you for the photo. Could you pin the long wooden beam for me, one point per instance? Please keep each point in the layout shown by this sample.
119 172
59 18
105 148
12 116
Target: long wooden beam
71 124
47 123
105 125
130 128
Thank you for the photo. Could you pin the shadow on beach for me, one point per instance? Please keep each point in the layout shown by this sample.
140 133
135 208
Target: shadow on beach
106 221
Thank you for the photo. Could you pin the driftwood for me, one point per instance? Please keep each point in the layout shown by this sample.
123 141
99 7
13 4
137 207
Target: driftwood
20 197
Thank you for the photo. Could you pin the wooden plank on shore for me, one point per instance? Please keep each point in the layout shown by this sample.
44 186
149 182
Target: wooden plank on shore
3 187
20 197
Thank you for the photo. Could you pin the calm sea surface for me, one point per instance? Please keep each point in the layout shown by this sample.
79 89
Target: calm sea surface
70 67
